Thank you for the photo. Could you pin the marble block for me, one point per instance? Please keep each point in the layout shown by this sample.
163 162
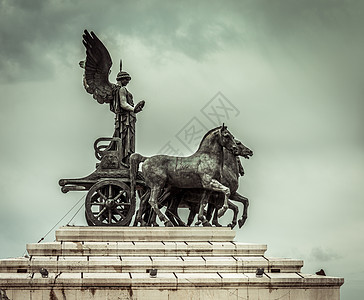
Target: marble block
187 248
149 234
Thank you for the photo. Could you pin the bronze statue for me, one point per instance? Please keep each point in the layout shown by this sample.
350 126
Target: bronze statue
190 198
203 169
96 82
210 175
231 171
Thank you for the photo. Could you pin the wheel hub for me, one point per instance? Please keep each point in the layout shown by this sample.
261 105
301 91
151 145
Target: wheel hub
109 203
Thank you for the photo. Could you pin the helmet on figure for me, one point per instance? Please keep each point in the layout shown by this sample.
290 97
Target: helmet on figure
122 75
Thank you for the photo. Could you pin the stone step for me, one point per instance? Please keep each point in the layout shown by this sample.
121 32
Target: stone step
214 278
147 249
172 285
122 264
150 234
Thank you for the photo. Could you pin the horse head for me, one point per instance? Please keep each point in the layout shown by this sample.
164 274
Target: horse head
243 150
227 140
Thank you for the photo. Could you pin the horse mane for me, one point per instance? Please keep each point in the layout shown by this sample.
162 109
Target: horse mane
206 134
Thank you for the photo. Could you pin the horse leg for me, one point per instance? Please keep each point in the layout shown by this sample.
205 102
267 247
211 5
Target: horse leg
142 209
149 218
175 219
235 210
164 197
212 212
210 209
172 202
215 219
135 220
239 198
192 214
214 185
153 201
172 206
152 221
175 212
170 209
166 200
203 203
214 203
171 217
146 216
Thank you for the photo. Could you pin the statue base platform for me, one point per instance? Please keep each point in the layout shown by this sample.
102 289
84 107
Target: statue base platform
157 263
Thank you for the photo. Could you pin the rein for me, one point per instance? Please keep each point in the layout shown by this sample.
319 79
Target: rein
222 164
222 160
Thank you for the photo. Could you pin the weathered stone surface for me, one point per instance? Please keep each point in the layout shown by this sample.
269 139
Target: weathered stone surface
134 234
284 265
142 263
190 292
146 248
189 269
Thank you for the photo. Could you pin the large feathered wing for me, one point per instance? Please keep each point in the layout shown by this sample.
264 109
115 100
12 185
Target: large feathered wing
97 68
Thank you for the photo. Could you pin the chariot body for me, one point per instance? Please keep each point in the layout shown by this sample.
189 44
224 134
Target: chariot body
108 201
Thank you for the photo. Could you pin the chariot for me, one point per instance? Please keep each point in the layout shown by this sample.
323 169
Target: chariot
108 201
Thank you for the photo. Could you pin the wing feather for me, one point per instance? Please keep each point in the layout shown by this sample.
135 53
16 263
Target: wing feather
97 68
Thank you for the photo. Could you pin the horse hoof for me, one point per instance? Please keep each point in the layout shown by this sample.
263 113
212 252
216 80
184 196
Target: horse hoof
217 224
221 212
232 225
206 224
198 223
168 224
241 223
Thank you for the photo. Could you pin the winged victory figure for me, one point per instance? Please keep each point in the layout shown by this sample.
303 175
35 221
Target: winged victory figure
97 66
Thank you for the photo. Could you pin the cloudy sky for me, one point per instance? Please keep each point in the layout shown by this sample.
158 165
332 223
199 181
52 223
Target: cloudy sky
290 72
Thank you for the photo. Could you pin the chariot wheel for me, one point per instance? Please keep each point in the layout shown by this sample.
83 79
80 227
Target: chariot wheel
108 203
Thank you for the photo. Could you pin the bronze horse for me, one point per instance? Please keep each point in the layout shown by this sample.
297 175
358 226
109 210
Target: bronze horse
232 169
231 178
202 170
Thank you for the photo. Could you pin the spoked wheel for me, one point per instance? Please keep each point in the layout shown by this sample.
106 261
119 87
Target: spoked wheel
108 203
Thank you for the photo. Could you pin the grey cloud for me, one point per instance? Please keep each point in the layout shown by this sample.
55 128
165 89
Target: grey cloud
293 68
29 29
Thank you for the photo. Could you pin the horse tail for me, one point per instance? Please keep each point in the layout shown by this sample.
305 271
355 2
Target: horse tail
135 159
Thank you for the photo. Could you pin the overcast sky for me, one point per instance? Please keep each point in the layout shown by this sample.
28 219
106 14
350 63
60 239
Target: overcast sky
291 72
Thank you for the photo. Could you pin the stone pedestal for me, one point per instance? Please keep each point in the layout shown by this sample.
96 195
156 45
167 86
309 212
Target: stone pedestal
191 263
